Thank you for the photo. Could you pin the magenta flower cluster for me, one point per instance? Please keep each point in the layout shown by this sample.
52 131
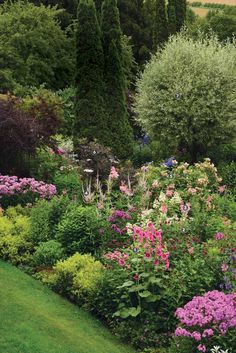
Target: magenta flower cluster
118 215
212 314
12 185
150 240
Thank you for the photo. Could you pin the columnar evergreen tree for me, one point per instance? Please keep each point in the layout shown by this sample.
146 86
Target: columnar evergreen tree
161 25
171 17
119 127
90 114
180 13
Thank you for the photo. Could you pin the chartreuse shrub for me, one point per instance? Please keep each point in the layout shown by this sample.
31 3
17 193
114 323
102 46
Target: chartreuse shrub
79 277
15 241
45 217
78 230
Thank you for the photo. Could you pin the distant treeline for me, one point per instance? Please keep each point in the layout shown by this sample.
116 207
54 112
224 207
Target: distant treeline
211 5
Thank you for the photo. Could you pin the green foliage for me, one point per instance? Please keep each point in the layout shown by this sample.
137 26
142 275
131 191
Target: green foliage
228 172
134 24
161 26
78 230
78 276
48 253
189 104
44 164
180 13
171 17
29 56
68 182
67 98
45 216
223 25
91 119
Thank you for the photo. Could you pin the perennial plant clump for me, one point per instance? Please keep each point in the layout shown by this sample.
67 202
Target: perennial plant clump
12 185
213 314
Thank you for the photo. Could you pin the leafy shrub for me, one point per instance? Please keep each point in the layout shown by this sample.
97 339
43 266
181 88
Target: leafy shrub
179 105
38 58
67 98
45 164
45 216
68 182
228 173
78 230
48 253
79 276
142 155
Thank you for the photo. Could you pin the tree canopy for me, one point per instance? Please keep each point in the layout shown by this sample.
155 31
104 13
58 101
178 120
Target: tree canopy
33 48
186 95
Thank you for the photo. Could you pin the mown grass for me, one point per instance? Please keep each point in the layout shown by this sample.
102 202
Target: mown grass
35 320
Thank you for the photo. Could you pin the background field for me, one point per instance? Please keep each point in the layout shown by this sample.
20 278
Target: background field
227 2
202 12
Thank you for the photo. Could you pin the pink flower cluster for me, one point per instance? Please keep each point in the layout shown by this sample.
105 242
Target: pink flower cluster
214 310
151 241
12 185
114 175
117 256
116 216
219 236
125 189
119 214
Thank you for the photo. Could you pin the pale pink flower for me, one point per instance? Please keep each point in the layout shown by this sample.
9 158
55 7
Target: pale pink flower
224 267
221 189
191 251
155 184
114 175
164 209
125 190
100 205
192 191
169 192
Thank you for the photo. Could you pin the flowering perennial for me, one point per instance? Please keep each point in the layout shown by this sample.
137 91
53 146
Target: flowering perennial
147 246
12 185
214 313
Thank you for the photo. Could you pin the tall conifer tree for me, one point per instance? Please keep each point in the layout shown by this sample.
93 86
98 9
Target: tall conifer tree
161 25
119 127
91 119
171 17
180 13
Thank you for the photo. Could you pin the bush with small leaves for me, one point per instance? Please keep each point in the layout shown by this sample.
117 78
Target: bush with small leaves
48 253
78 230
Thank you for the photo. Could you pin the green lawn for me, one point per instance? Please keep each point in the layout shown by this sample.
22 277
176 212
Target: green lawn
35 320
